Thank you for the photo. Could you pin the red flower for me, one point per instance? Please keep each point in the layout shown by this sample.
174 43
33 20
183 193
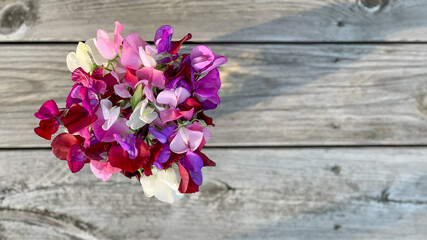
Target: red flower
119 158
77 118
69 147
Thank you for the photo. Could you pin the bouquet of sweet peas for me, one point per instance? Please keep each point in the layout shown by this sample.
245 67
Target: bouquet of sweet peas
138 110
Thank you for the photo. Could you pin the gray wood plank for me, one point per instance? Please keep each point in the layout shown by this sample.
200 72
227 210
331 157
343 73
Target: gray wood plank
272 95
322 193
237 20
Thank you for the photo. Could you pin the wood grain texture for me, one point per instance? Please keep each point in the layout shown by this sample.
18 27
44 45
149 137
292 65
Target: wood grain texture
322 193
272 95
237 20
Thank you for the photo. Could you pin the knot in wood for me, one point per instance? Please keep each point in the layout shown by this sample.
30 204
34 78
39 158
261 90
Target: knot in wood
12 17
373 5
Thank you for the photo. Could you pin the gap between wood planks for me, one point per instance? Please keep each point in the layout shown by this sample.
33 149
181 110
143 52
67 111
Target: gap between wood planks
240 42
263 147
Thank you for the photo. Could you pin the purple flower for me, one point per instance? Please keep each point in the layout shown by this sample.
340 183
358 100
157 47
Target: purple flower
128 144
163 38
164 134
204 60
206 90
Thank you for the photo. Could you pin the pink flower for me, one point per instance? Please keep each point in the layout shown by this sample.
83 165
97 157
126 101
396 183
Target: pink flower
150 77
103 170
173 114
173 97
130 53
190 138
106 47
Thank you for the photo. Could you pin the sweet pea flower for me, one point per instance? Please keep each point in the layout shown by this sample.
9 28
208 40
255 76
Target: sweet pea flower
85 90
190 169
77 118
189 138
173 114
150 77
173 97
69 147
206 90
109 113
130 51
121 87
128 144
163 185
163 40
107 48
49 115
118 126
142 114
131 155
103 170
85 57
148 55
204 60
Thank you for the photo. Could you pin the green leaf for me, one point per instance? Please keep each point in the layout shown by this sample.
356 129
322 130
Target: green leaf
136 98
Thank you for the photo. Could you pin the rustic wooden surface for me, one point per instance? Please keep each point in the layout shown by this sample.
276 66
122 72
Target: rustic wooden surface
322 131
276 94
237 20
345 193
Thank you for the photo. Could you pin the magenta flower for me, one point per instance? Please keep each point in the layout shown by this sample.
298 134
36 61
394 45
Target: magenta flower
204 60
206 90
106 47
118 126
49 115
85 90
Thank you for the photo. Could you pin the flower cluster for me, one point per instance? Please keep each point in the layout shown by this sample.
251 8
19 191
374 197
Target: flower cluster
138 110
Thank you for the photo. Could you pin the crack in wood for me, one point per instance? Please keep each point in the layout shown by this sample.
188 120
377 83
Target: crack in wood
60 222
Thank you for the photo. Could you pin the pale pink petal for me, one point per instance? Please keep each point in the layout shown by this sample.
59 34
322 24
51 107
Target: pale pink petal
167 97
179 144
122 90
149 93
194 139
182 94
103 170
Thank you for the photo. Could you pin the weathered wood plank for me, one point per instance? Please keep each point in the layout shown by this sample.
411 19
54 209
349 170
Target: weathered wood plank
322 193
272 94
237 20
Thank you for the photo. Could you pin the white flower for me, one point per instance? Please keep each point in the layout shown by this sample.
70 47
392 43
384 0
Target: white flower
86 56
163 184
109 113
148 56
142 114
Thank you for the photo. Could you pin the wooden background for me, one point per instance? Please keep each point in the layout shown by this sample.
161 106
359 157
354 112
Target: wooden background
322 133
